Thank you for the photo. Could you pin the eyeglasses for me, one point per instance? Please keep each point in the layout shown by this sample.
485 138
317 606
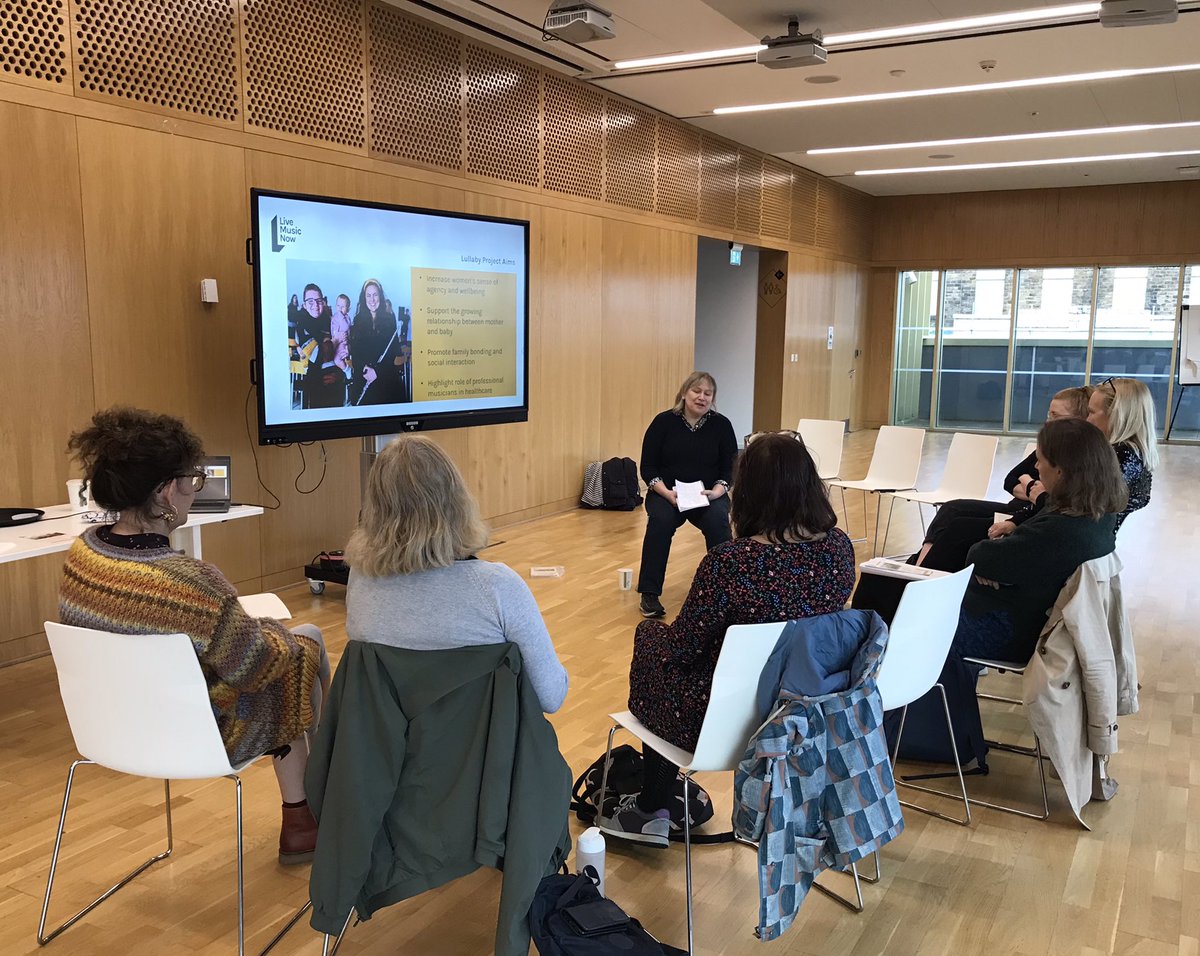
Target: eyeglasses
1109 382
197 478
308 301
785 431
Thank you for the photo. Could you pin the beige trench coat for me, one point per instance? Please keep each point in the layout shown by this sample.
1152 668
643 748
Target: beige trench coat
1083 676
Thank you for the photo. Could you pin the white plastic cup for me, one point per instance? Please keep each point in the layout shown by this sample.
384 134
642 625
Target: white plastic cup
589 851
625 578
77 496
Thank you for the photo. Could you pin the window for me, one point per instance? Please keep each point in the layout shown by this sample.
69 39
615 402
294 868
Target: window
916 332
973 371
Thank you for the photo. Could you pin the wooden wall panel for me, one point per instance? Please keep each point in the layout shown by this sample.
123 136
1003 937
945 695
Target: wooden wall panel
1141 222
46 390
875 341
769 340
649 328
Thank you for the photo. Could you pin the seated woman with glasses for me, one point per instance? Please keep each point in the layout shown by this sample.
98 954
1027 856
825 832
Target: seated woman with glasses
265 681
787 560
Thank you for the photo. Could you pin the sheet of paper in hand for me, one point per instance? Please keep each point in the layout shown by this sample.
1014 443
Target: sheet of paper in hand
689 495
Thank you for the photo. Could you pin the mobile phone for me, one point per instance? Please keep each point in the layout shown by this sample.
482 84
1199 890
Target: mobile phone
596 918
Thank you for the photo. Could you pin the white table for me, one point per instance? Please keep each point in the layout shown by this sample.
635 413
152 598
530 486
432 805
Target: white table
62 524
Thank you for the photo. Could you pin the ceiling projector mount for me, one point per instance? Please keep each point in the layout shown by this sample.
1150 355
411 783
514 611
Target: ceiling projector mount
794 49
578 21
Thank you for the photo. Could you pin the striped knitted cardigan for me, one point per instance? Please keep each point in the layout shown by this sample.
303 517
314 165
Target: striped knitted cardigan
259 674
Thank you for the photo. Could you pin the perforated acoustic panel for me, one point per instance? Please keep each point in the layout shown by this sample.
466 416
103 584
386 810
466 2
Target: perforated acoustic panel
827 210
776 198
503 116
630 155
678 170
574 118
415 76
33 40
304 68
749 192
718 182
804 207
171 56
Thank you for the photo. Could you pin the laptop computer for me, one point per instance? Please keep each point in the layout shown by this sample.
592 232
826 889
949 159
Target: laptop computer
215 495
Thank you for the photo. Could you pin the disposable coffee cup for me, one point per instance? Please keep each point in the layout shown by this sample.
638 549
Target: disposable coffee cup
625 578
77 495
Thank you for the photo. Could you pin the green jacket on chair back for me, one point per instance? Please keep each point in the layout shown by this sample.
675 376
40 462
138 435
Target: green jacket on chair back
426 766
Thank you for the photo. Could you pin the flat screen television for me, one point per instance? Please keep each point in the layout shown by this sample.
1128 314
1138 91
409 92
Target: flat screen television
374 319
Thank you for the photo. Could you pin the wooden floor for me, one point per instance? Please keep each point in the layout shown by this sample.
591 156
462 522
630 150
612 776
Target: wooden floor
1003 885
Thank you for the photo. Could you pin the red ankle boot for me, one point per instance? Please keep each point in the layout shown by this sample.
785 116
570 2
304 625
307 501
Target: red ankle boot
297 836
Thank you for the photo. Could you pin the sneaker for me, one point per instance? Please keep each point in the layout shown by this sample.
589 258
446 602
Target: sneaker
652 606
630 822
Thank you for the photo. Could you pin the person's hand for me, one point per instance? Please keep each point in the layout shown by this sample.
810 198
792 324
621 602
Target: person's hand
988 582
713 493
369 374
1000 529
668 493
1036 490
1019 488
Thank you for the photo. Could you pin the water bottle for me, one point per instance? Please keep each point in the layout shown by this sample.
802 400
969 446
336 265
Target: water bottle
589 851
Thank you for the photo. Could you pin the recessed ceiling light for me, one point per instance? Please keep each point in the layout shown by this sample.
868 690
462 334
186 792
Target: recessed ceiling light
962 24
1034 81
1008 138
822 78
1025 162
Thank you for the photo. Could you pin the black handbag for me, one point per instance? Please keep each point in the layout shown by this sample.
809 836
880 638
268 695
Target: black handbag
569 917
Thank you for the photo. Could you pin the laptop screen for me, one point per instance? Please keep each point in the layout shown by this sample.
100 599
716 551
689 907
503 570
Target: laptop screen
217 487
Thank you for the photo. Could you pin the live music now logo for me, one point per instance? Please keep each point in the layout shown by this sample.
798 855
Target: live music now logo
283 232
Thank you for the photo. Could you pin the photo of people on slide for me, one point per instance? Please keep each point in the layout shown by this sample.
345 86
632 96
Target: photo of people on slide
346 348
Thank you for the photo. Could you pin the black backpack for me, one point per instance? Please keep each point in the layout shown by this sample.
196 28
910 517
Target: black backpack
556 932
625 775
612 485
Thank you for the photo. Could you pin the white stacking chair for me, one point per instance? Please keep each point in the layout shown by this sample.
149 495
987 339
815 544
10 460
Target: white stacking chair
824 439
895 462
1030 448
968 474
138 704
919 640
730 721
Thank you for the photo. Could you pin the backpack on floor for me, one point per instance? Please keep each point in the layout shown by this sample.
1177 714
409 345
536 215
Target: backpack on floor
612 485
625 776
569 917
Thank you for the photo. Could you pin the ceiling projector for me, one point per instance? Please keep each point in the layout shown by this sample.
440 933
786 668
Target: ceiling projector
795 49
578 21
1137 13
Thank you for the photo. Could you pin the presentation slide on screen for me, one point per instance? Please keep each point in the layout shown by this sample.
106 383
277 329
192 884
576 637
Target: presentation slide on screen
370 312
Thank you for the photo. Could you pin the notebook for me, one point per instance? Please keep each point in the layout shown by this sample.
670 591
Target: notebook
215 495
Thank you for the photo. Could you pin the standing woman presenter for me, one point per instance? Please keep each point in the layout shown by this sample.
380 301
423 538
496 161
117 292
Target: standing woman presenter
691 441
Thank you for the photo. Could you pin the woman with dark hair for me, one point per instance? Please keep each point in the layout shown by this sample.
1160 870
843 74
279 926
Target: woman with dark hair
788 560
1018 576
690 441
375 348
265 681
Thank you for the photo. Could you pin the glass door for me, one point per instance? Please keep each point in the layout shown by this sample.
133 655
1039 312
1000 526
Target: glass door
1187 399
1050 344
916 331
976 322
1135 328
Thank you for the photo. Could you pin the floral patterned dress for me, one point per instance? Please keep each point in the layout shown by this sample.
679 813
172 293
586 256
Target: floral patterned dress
739 582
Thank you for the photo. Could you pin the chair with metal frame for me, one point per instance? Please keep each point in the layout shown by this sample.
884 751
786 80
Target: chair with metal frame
1035 751
919 639
138 704
730 721
824 440
967 475
895 462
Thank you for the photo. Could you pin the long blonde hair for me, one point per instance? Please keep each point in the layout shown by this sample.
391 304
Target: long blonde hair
1131 417
417 513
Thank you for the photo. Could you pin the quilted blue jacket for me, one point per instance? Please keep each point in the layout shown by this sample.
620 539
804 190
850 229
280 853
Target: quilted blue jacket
815 788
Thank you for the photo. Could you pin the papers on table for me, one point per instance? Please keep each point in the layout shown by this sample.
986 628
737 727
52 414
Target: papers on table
898 569
689 495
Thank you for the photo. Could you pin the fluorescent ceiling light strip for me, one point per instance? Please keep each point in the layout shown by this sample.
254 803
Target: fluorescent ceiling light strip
964 24
1025 162
673 58
1008 138
969 88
